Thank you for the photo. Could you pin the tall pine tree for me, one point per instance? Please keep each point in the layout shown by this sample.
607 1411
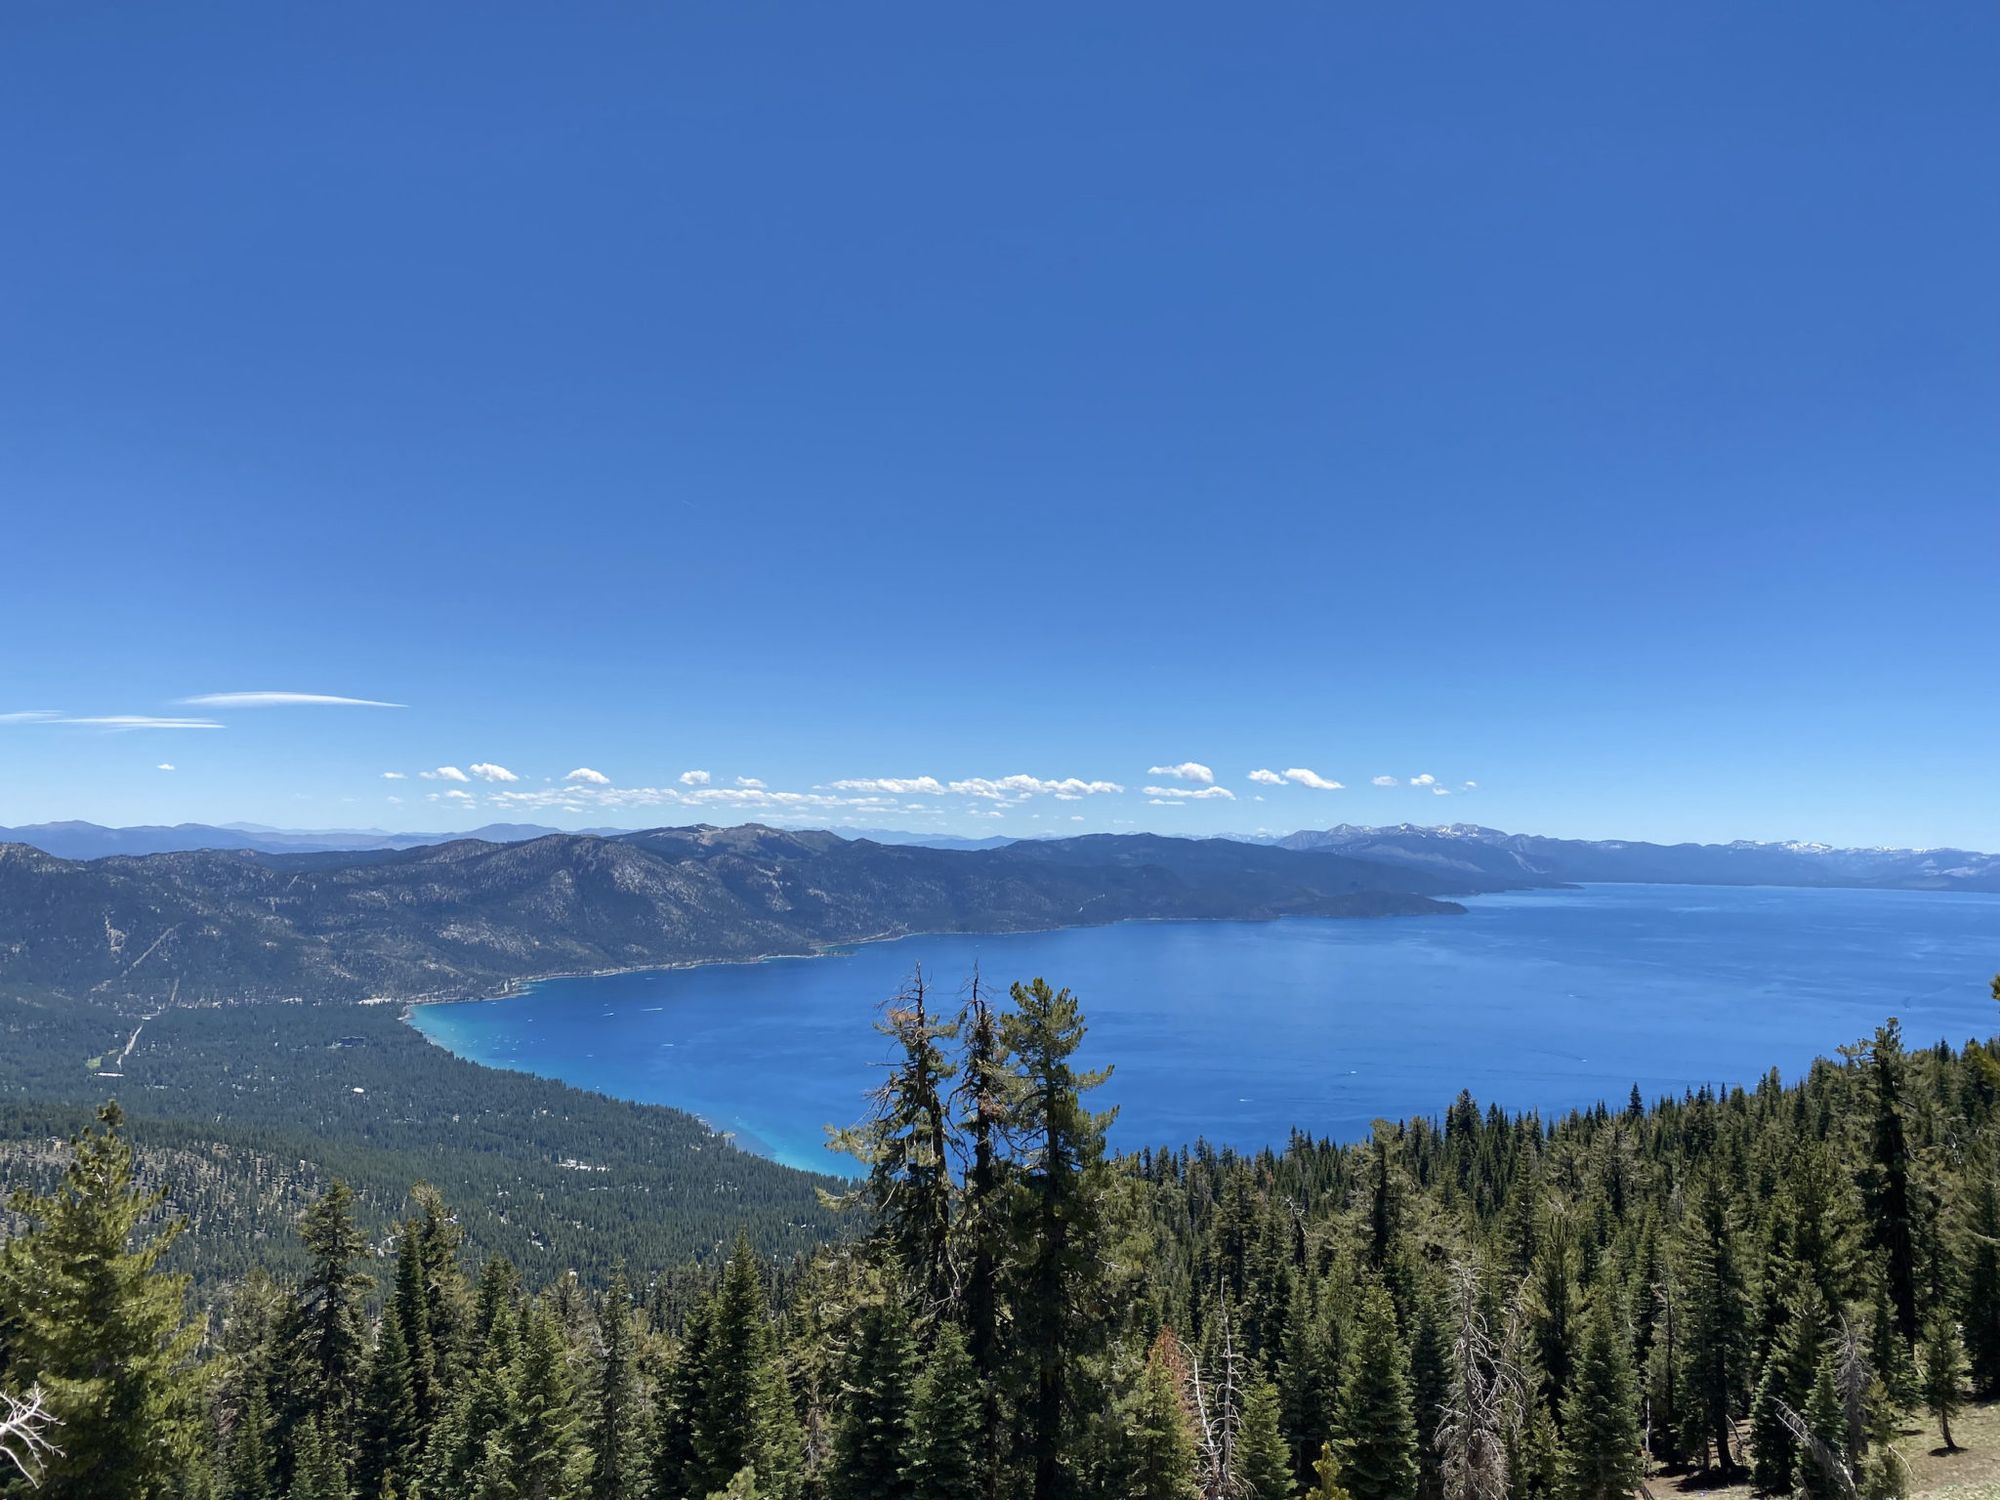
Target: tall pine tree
95 1323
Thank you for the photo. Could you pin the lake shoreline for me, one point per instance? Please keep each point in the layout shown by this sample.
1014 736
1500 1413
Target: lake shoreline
513 988
1240 1030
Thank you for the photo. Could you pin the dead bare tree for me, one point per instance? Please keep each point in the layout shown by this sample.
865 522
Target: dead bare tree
1831 1463
24 1432
1852 1375
1218 1416
1483 1401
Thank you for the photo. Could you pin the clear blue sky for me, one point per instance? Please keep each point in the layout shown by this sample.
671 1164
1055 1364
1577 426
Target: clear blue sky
1597 403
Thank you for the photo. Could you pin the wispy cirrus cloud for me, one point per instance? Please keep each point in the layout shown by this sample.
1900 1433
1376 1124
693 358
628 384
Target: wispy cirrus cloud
588 776
485 770
1300 776
134 721
282 700
1187 770
107 721
1168 796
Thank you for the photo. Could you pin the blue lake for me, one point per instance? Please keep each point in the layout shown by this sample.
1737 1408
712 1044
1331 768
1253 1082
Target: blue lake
1239 1031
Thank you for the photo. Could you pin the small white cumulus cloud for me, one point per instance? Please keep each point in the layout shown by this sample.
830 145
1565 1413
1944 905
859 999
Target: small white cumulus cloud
394 776
1440 791
166 765
1300 776
485 770
1424 780
457 796
751 782
585 774
1187 770
1266 777
445 773
694 778
1168 795
1470 786
1384 781
989 788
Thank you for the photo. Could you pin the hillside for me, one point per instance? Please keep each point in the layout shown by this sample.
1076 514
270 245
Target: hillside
465 916
1468 852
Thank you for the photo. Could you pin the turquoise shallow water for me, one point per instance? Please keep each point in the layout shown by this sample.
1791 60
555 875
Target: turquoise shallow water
1239 1031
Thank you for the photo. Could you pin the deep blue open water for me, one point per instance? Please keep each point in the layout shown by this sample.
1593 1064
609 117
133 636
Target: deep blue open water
1239 1031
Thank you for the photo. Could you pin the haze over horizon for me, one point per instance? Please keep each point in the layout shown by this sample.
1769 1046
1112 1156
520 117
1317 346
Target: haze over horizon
1561 422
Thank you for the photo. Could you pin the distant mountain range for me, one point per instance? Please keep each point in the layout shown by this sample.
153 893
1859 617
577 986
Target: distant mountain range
79 840
76 840
1456 850
468 916
1467 851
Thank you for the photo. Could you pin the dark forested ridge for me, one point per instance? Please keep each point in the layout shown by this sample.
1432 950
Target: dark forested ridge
453 919
1794 1287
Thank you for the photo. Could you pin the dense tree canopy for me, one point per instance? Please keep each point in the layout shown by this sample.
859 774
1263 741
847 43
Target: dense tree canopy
1766 1281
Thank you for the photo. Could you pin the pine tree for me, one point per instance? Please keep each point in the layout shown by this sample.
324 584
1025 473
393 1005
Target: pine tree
1326 1477
248 1471
872 1442
944 1460
1822 1464
981 1099
1944 1372
615 1426
677 1403
391 1431
1714 1356
1789 1372
904 1145
1890 1353
1163 1449
91 1319
1308 1382
1378 1435
1058 1285
326 1325
1892 1215
319 1470
1555 1301
743 1414
409 1312
1430 1385
1263 1461
1600 1438
541 1429
1980 1257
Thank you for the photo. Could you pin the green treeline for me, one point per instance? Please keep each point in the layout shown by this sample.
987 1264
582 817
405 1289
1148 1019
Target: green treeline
1481 1308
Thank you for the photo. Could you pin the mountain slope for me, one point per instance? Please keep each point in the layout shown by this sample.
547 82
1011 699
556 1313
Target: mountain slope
1465 850
467 916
